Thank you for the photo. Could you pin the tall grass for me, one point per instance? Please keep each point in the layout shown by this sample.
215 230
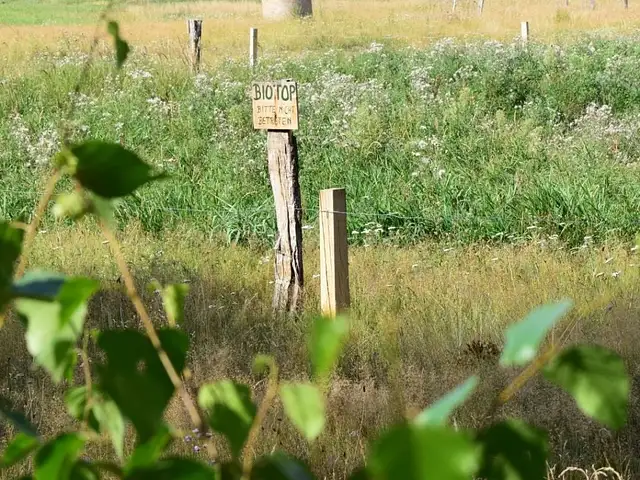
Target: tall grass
457 142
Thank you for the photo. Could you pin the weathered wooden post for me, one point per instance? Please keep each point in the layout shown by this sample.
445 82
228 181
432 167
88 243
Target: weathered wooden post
453 6
626 3
524 32
275 109
480 6
253 47
195 38
334 256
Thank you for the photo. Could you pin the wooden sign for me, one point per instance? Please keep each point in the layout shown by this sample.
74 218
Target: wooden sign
275 105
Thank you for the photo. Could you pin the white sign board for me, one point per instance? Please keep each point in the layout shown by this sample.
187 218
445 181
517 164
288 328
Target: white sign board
275 105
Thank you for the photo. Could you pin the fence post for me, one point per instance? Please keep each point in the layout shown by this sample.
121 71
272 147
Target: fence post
524 32
283 172
195 38
253 47
626 3
334 257
480 6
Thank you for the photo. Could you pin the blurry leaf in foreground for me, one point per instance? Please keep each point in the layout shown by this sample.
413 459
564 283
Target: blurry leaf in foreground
56 458
17 419
280 466
326 342
19 448
10 248
134 377
523 339
597 379
149 452
513 450
413 452
304 405
54 324
230 410
173 297
122 47
439 412
173 469
110 170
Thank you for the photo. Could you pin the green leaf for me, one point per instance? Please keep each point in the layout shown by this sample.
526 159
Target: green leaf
523 338
280 466
304 405
57 458
121 47
84 471
413 452
73 205
438 413
18 449
10 248
134 377
326 342
17 419
104 415
173 298
597 379
54 325
149 452
110 170
512 450
230 409
360 473
39 285
173 469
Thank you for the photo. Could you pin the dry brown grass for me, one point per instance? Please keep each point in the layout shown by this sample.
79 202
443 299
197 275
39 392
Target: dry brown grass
159 29
414 313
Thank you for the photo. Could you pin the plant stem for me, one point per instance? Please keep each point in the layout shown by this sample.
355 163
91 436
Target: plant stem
272 390
35 222
527 374
196 419
87 378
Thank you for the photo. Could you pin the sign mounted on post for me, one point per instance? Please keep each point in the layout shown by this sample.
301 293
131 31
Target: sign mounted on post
275 105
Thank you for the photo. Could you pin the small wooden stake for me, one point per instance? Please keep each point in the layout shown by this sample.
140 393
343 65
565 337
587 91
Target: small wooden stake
480 6
253 47
195 38
334 256
524 32
283 172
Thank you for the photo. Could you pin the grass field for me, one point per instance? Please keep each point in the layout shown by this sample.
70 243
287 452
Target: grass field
482 179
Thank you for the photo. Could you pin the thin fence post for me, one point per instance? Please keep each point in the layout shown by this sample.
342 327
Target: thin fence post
480 6
334 256
253 47
195 39
626 3
453 6
524 32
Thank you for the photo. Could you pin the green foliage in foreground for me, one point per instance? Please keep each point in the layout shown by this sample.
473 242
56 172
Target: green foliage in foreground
137 375
456 142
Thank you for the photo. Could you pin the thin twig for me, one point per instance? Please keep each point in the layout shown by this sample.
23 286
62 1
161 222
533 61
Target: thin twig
35 222
87 378
196 419
272 390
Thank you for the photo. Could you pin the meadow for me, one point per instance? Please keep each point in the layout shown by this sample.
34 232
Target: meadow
483 178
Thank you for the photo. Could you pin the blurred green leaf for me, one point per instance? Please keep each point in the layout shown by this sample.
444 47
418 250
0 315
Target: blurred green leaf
326 342
304 405
56 459
230 409
121 47
173 297
54 325
72 205
104 208
264 363
173 469
597 379
84 471
512 450
150 451
360 473
16 418
19 448
413 452
439 412
104 415
523 338
10 248
134 377
39 285
280 466
110 170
